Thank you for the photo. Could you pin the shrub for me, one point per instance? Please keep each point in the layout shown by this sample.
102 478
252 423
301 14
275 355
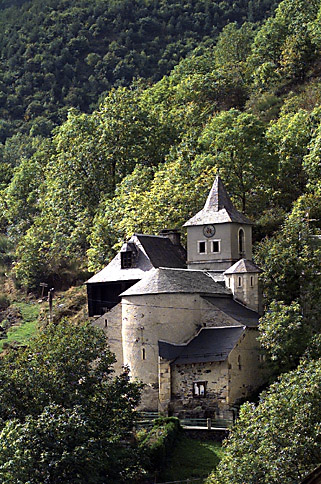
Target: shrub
159 442
4 301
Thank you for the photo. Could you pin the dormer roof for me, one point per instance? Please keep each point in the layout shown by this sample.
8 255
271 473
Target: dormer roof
150 251
218 208
242 266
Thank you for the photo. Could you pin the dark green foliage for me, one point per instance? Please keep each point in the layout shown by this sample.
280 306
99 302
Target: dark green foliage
146 149
279 440
248 107
65 417
4 301
292 266
61 54
158 444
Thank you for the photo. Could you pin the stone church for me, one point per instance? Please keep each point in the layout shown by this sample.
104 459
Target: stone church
185 323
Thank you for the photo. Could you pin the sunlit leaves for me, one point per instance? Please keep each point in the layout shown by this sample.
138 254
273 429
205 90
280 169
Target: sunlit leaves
241 153
279 439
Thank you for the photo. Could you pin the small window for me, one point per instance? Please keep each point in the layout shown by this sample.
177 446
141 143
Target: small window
229 282
239 362
202 247
252 281
215 246
126 259
143 354
239 281
199 389
241 242
106 323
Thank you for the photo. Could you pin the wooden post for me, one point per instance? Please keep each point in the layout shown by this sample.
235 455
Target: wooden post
50 298
209 424
42 285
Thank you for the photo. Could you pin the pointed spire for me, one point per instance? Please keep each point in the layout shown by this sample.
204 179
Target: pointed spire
218 208
218 197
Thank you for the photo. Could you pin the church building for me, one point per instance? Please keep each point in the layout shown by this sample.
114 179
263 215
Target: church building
185 323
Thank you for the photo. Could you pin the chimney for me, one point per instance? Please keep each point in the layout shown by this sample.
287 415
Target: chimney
173 235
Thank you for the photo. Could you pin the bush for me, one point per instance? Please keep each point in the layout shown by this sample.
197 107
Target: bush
159 442
4 301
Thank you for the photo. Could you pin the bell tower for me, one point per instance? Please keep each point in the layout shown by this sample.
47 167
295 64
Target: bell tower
218 235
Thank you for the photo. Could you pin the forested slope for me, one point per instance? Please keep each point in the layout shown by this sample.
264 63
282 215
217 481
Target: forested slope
60 54
247 105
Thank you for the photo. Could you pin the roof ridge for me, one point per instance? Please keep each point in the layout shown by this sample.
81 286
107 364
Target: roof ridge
152 235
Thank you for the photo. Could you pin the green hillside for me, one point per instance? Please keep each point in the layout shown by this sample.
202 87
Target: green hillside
162 96
60 54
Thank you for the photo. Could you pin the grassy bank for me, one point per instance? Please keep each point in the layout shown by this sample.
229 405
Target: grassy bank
23 331
192 459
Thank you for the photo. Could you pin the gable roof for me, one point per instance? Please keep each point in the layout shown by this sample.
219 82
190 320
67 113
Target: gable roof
235 310
162 252
218 208
152 251
167 280
242 266
211 344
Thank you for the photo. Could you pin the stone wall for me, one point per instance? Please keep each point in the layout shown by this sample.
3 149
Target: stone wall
148 319
246 370
228 236
247 241
175 318
164 378
209 260
245 288
111 324
213 403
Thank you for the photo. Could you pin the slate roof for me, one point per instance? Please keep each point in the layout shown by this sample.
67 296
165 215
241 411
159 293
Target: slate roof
161 251
237 311
242 266
211 344
152 251
168 281
218 208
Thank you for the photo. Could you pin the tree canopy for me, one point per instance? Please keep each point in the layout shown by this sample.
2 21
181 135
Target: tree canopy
61 54
149 100
279 439
64 416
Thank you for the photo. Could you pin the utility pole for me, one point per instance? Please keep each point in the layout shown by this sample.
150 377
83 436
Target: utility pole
50 298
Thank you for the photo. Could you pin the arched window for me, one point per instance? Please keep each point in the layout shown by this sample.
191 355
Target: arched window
241 242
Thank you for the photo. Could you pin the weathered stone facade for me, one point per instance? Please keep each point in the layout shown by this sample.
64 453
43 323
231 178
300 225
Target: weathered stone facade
190 335
215 377
225 382
111 324
247 371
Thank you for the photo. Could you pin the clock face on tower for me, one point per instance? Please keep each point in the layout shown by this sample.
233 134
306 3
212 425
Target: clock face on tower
208 230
